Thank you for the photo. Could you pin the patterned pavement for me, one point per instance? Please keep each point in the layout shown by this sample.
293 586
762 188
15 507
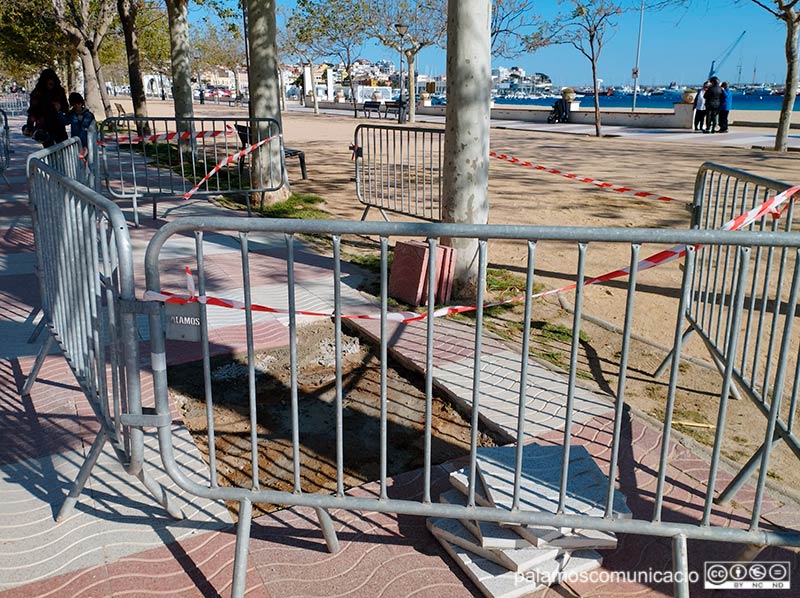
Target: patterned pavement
118 543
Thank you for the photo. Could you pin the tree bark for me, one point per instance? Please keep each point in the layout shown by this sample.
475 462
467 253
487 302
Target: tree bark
91 89
180 53
790 89
101 82
466 145
127 15
264 98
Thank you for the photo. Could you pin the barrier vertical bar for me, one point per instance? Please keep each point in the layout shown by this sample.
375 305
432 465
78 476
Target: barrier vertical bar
673 383
523 375
251 374
476 376
294 399
204 342
731 344
619 400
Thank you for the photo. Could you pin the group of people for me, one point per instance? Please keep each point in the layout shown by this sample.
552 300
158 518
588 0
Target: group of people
50 112
712 107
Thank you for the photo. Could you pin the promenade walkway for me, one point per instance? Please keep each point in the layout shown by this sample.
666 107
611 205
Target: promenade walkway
117 543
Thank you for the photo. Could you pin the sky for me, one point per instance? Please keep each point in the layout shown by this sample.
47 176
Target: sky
678 44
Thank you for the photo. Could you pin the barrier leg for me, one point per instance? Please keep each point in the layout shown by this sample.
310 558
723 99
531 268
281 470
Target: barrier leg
37 365
328 531
364 214
83 475
242 542
160 494
744 474
668 359
680 567
38 329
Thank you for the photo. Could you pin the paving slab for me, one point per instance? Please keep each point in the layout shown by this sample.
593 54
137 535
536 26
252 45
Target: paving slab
489 534
541 478
513 559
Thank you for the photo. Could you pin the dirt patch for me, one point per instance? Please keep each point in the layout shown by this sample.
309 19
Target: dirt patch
361 407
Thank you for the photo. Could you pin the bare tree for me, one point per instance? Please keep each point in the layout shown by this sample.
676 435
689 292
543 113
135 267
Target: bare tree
427 25
513 24
585 27
296 40
786 11
87 22
336 28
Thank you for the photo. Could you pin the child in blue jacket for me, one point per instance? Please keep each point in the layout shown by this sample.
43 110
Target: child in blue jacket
79 118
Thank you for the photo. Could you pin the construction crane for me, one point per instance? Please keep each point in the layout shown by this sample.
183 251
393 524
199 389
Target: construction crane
718 62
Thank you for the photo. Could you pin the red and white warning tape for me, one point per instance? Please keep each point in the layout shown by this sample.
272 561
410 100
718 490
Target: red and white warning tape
771 206
229 160
228 130
602 184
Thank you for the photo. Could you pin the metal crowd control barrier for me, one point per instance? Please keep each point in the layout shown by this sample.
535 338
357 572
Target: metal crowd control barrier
748 339
15 104
745 249
399 169
165 157
5 146
85 271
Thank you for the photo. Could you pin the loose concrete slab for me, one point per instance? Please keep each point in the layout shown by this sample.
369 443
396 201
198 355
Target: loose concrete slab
491 579
489 534
519 559
541 477
587 538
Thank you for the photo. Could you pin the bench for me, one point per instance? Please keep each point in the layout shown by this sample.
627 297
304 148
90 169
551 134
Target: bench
398 108
247 140
120 109
370 107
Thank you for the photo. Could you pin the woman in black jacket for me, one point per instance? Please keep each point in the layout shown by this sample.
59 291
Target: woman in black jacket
45 113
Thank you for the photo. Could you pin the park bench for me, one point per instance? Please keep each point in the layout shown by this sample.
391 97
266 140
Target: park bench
247 140
398 108
370 107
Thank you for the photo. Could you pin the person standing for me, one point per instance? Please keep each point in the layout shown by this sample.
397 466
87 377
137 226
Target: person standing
45 112
700 109
725 108
79 118
713 97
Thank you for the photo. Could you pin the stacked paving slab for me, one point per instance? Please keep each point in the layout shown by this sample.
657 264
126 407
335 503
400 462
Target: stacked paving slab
506 560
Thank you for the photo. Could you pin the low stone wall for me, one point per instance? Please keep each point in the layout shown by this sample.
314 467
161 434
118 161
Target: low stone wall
681 117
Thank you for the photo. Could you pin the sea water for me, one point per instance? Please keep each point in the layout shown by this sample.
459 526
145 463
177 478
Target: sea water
665 101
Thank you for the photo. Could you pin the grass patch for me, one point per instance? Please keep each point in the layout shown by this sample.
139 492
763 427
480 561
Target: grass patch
554 357
557 332
370 262
298 205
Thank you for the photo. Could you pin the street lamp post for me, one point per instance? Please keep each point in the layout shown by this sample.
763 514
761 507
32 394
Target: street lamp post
402 30
638 52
